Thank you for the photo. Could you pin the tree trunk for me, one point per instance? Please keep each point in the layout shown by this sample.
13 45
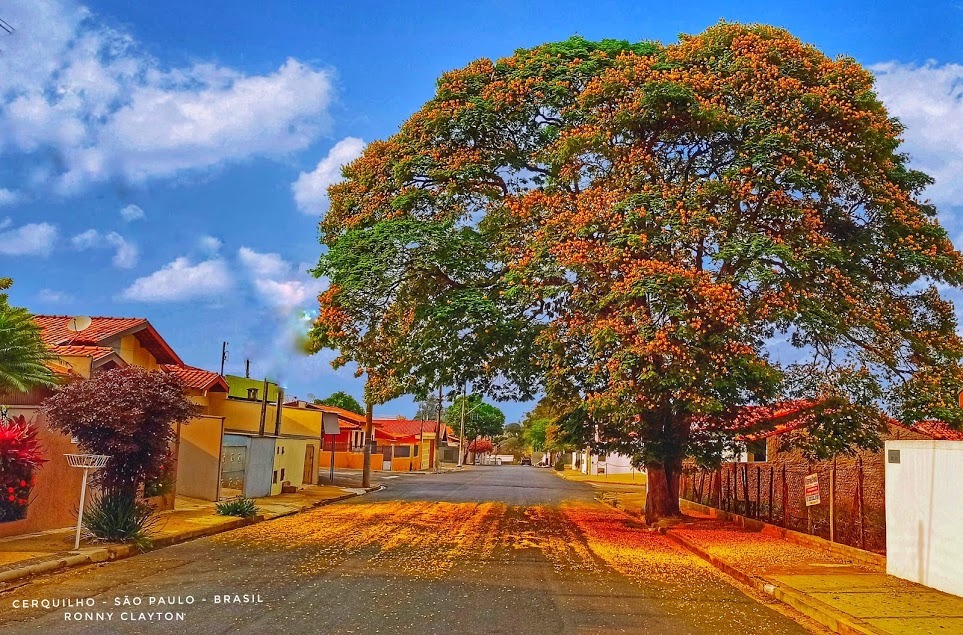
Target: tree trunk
662 490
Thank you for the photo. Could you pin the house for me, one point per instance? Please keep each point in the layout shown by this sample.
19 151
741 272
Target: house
112 342
765 479
405 445
269 446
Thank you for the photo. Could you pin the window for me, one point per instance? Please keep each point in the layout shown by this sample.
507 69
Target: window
275 477
282 473
403 451
756 451
252 393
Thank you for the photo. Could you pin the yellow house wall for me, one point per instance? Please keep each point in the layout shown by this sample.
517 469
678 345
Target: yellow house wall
289 456
134 354
199 458
80 365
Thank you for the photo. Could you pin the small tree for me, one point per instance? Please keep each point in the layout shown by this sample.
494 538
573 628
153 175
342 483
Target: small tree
342 400
481 419
127 413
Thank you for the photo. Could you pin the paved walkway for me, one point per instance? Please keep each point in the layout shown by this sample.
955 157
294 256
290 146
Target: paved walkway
829 588
836 591
191 518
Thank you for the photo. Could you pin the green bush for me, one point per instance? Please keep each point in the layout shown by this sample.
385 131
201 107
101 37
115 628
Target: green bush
120 517
242 507
560 464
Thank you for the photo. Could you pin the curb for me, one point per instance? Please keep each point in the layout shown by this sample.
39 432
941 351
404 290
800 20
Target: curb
121 552
829 617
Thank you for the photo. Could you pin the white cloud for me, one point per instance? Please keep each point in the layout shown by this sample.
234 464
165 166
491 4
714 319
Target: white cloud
50 296
32 239
263 265
928 99
106 108
126 253
209 244
311 189
277 282
8 197
131 213
181 280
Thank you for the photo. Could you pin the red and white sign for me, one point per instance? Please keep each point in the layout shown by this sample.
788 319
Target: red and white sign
812 490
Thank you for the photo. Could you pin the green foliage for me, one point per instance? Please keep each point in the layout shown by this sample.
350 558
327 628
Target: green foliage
119 517
23 355
126 413
481 419
241 507
343 400
559 464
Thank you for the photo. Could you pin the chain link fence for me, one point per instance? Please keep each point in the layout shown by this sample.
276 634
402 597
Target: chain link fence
776 493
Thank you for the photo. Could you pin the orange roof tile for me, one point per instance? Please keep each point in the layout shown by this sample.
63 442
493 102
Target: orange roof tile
55 329
102 329
96 353
404 427
197 377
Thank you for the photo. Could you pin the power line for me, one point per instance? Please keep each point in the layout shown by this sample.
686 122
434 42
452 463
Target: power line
6 26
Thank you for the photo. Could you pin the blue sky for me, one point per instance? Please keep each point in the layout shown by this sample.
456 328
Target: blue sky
168 160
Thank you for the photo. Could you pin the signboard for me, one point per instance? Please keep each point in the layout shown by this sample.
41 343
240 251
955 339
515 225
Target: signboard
812 490
330 422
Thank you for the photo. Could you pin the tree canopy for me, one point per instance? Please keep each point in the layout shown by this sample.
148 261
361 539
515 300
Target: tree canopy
631 226
343 400
481 419
127 413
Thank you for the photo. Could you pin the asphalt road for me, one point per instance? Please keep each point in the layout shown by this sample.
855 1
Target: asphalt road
487 550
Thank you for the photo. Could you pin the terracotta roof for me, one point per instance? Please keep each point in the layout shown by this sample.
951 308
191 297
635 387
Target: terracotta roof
97 353
55 329
103 329
404 427
197 377
933 429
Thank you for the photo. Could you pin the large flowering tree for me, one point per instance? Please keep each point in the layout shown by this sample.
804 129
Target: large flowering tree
632 225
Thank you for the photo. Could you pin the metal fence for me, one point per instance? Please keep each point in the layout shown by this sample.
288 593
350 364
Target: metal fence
775 493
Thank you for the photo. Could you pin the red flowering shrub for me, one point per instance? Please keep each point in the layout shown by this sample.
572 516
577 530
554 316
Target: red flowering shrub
20 455
481 446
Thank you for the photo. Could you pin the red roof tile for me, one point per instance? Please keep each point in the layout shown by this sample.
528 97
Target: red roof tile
103 329
933 429
404 427
95 352
55 329
197 377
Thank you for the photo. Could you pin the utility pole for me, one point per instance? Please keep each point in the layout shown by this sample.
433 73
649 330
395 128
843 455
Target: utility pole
438 430
247 369
368 426
461 433
223 356
264 400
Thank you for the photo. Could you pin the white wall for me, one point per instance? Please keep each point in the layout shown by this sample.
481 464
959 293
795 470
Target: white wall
924 513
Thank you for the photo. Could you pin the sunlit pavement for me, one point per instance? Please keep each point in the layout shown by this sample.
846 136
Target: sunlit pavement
487 550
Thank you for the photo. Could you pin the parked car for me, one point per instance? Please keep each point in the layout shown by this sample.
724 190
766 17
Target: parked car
526 460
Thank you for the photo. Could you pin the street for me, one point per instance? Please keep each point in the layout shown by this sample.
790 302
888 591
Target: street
487 550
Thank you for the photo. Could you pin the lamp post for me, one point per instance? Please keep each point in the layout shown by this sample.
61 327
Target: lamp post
87 462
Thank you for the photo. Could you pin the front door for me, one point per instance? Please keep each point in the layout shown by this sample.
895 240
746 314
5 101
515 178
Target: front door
233 464
310 478
386 454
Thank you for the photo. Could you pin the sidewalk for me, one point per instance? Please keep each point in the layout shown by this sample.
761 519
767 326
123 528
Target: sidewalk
22 556
844 596
634 479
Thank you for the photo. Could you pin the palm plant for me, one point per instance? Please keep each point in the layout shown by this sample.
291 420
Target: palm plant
23 354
